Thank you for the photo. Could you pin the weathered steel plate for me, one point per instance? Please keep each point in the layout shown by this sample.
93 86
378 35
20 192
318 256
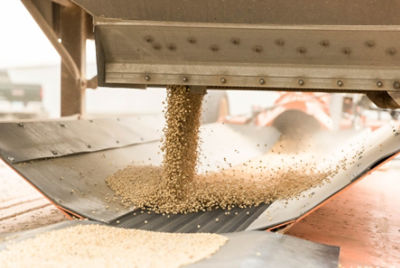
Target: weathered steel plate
377 147
76 182
292 12
25 141
243 249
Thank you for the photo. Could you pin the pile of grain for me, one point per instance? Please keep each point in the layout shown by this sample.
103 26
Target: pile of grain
253 183
176 188
102 246
182 116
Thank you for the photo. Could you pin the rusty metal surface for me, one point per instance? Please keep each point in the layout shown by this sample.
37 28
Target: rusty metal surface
26 141
243 249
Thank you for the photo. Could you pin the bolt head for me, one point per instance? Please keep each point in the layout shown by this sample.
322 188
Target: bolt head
280 42
147 77
21 124
223 80
346 51
379 84
325 43
235 41
214 48
192 40
171 47
261 81
391 51
148 39
340 83
185 79
370 43
258 49
396 85
302 50
301 82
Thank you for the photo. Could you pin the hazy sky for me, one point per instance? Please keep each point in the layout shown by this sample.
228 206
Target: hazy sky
22 42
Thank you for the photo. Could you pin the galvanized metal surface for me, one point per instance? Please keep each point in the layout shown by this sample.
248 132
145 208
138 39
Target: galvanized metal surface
25 141
77 182
321 46
248 56
377 146
292 12
243 249
216 221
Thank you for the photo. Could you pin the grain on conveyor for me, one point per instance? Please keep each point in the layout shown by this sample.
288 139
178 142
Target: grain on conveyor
174 187
104 246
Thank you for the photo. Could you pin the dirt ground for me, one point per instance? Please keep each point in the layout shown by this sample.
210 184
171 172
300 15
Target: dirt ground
21 206
364 221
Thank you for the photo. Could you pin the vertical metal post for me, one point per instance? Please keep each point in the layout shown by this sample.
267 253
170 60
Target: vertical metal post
73 32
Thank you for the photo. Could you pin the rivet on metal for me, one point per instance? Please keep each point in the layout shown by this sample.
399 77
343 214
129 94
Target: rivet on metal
370 43
340 83
223 80
391 51
280 42
147 77
192 40
171 47
11 158
89 146
257 49
379 84
157 46
301 82
185 79
346 51
396 85
235 41
324 43
214 48
261 81
302 50
21 124
117 141
54 152
148 39
62 125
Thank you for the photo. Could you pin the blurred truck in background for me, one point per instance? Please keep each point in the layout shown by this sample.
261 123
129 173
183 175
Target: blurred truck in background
19 100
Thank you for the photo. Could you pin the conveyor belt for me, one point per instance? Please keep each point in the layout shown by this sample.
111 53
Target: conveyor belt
244 249
75 181
216 221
